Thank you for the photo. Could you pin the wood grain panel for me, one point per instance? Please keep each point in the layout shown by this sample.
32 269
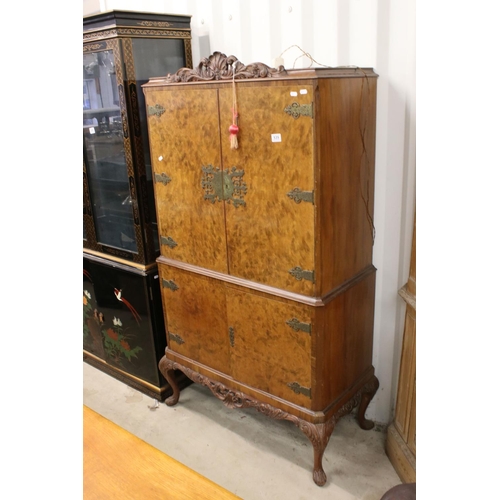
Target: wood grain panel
345 145
344 334
268 354
271 234
186 137
117 464
196 313
401 437
400 455
406 376
412 426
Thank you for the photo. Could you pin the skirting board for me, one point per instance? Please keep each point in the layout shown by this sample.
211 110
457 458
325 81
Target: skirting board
400 455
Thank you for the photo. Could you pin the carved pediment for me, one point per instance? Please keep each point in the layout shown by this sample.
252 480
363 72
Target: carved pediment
221 67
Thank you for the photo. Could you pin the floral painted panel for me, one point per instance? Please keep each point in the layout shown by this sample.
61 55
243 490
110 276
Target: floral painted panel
120 325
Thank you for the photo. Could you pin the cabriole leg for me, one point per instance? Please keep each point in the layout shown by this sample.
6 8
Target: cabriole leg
369 391
319 435
166 368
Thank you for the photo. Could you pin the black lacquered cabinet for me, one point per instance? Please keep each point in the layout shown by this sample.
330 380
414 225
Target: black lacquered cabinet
123 327
121 51
122 324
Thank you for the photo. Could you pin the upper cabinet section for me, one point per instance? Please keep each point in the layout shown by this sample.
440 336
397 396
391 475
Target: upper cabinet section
292 206
121 51
235 211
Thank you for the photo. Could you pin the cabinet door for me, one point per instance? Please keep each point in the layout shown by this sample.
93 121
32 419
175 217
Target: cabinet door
271 236
195 316
184 140
112 210
271 345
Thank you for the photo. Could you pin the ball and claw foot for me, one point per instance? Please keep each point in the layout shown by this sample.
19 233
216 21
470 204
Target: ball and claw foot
319 435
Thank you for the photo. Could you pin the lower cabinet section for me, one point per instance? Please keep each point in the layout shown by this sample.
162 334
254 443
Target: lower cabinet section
123 327
303 359
257 339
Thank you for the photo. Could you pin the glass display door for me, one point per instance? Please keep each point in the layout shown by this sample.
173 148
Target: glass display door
104 150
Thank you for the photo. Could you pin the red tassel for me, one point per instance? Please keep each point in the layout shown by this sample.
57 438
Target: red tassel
233 129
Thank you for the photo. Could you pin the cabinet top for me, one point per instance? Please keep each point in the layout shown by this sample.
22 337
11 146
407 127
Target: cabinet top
219 68
131 19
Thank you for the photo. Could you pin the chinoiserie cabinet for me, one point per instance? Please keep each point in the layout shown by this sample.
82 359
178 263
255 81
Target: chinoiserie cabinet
266 258
124 331
123 338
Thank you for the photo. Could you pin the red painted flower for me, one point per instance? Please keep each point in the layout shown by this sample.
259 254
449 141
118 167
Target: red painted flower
112 334
125 345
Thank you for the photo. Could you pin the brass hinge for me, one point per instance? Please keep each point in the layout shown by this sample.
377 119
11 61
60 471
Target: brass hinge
296 325
231 336
167 240
295 110
169 284
299 274
298 389
163 178
297 195
176 338
156 110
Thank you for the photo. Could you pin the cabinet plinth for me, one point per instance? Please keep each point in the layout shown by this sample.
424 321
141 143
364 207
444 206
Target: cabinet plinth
267 279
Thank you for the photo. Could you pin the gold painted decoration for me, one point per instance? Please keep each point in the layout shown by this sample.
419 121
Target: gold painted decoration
91 47
123 104
155 24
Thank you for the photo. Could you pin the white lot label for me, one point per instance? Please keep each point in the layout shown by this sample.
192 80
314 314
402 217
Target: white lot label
276 137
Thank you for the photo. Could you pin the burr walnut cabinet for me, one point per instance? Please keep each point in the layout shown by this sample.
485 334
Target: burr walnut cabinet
266 267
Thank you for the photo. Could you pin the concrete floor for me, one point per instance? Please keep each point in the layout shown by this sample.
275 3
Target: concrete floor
249 454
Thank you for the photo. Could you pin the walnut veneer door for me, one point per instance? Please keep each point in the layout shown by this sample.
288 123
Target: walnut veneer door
184 138
194 309
271 234
270 344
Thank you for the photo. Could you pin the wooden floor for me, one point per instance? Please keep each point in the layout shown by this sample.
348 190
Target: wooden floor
117 464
